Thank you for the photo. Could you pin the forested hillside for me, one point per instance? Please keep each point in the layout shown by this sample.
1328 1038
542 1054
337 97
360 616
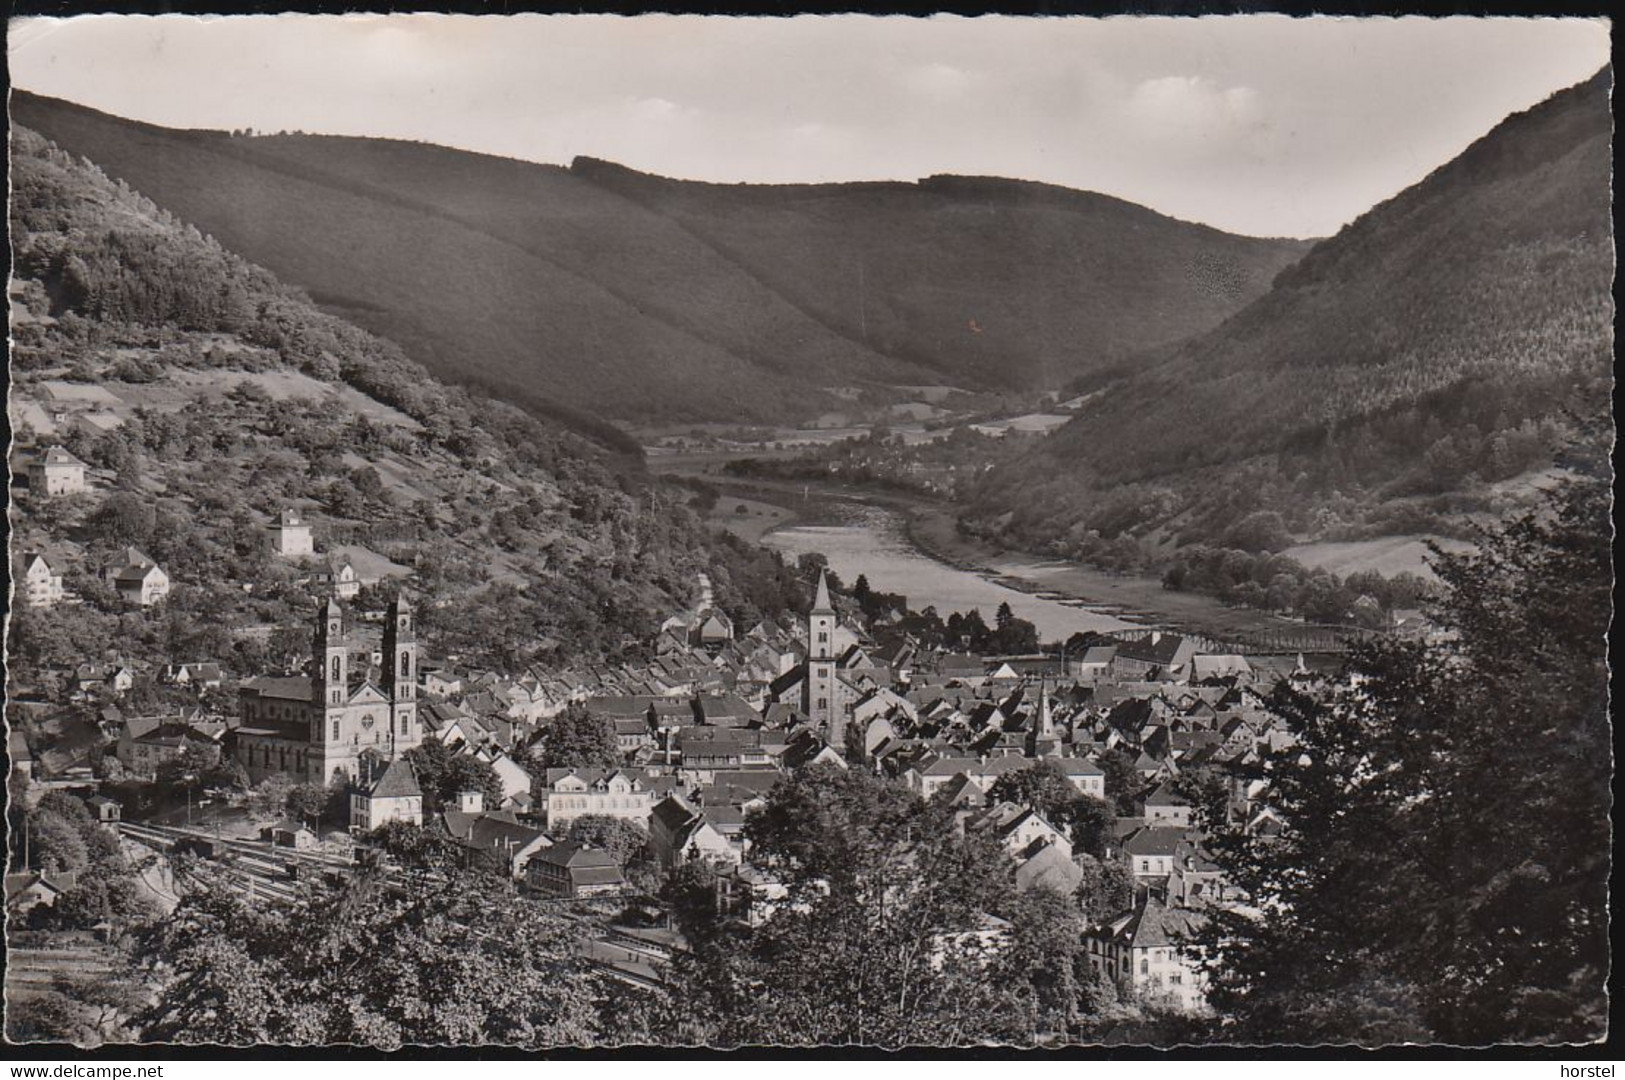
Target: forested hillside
598 290
1423 364
207 397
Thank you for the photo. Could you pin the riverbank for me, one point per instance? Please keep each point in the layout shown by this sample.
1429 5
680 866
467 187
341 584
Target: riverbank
931 529
1137 598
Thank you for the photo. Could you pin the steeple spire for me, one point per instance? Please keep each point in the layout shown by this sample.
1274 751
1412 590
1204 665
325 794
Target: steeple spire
821 601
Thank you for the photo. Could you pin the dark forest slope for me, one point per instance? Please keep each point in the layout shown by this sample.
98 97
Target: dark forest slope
1447 339
598 289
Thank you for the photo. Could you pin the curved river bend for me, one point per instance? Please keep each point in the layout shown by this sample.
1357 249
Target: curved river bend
874 545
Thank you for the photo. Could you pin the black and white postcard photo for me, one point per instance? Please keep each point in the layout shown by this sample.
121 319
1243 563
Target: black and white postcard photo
541 534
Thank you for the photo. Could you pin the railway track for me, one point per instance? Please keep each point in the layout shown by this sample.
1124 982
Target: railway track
255 869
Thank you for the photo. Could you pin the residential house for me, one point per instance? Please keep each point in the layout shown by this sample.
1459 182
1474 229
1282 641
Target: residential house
747 893
572 871
145 743
679 831
140 581
90 679
393 795
56 472
30 889
1094 665
290 535
1165 807
496 835
711 629
42 586
1146 953
1219 666
706 748
1158 654
342 578
617 793
1151 851
510 774
199 676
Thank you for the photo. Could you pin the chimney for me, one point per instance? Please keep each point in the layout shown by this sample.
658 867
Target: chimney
1156 636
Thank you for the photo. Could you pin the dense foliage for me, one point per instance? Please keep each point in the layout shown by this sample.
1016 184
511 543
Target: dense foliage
64 840
579 738
448 957
882 937
1443 872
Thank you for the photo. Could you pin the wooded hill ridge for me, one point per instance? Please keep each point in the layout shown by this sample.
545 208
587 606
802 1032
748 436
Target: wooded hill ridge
595 289
1450 339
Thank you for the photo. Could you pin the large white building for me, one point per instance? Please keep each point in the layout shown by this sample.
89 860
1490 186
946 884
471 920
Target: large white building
617 793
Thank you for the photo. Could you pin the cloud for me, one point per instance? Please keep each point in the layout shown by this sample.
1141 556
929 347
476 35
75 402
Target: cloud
938 81
655 108
1183 106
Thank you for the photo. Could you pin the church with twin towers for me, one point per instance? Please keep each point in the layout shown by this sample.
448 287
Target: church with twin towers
316 727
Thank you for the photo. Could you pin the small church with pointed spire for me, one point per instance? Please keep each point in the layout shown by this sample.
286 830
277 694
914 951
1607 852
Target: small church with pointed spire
318 726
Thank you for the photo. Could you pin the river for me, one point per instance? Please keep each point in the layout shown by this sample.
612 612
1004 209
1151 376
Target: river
873 544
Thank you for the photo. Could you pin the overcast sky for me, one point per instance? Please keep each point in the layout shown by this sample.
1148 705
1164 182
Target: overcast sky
1264 125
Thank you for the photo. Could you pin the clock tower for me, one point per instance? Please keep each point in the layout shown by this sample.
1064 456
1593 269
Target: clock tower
400 675
819 690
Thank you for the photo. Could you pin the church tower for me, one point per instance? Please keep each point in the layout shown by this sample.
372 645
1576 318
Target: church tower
400 675
329 689
818 694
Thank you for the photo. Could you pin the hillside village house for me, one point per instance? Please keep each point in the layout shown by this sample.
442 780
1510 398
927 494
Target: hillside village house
140 581
42 586
90 679
393 795
342 579
290 535
56 472
198 675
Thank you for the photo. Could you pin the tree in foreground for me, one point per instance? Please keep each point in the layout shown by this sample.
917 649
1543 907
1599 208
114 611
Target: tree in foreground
1443 872
895 931
419 958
